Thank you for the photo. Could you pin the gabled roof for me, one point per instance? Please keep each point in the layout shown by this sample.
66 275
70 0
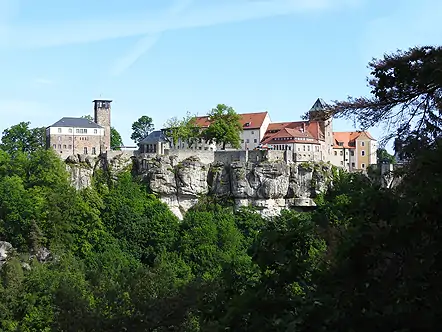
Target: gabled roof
347 138
295 132
76 122
154 137
255 120
307 128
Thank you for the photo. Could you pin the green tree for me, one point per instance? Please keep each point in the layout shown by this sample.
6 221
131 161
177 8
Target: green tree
185 130
89 117
383 157
141 128
405 98
21 138
224 128
116 141
173 130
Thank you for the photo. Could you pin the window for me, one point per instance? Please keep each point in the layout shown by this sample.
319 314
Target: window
247 141
69 146
308 148
352 164
59 146
253 133
54 146
336 153
85 131
59 138
95 131
70 138
59 130
255 140
362 153
64 146
242 141
70 130
352 153
93 151
362 165
77 130
341 153
85 150
342 163
362 143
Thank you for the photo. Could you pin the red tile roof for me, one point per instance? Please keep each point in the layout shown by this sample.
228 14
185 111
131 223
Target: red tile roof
255 120
292 132
348 138
297 129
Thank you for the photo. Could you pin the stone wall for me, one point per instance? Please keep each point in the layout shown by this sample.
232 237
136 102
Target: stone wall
228 157
66 145
306 156
125 153
206 156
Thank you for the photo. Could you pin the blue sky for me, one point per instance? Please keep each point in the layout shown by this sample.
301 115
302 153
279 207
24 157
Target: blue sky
163 58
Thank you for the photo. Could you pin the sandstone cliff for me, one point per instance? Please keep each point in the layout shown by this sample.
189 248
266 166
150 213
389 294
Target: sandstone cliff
270 186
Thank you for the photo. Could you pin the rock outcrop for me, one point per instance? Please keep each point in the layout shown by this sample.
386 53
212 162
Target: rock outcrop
43 255
270 186
82 168
5 249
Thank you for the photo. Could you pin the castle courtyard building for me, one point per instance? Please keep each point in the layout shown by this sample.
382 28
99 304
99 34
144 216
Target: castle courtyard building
71 135
354 150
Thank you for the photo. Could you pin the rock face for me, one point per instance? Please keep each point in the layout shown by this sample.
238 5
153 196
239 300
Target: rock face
270 186
5 248
83 167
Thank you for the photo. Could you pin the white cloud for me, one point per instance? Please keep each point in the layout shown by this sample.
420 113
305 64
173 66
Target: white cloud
148 41
138 24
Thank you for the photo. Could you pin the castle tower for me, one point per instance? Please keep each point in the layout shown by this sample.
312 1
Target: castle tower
320 113
102 117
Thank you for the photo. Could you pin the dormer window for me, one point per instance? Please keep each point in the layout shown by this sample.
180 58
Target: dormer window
341 143
247 124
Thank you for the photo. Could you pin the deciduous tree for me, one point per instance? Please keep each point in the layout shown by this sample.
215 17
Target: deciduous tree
141 128
224 128
21 138
185 130
116 140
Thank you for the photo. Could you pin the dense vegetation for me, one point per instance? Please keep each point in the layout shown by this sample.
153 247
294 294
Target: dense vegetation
366 259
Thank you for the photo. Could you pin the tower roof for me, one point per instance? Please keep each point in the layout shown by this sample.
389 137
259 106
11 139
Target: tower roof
319 105
97 100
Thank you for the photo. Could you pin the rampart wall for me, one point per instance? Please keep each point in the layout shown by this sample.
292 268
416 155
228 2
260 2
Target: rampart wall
206 156
227 156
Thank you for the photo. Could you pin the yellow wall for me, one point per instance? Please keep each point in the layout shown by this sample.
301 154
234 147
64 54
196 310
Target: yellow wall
363 159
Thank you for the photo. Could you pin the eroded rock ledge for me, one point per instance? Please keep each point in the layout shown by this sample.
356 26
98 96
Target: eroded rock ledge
268 185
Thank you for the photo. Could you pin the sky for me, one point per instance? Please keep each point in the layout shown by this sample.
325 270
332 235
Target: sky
164 58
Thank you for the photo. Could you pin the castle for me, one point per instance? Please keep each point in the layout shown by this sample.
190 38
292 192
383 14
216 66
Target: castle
296 141
70 136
